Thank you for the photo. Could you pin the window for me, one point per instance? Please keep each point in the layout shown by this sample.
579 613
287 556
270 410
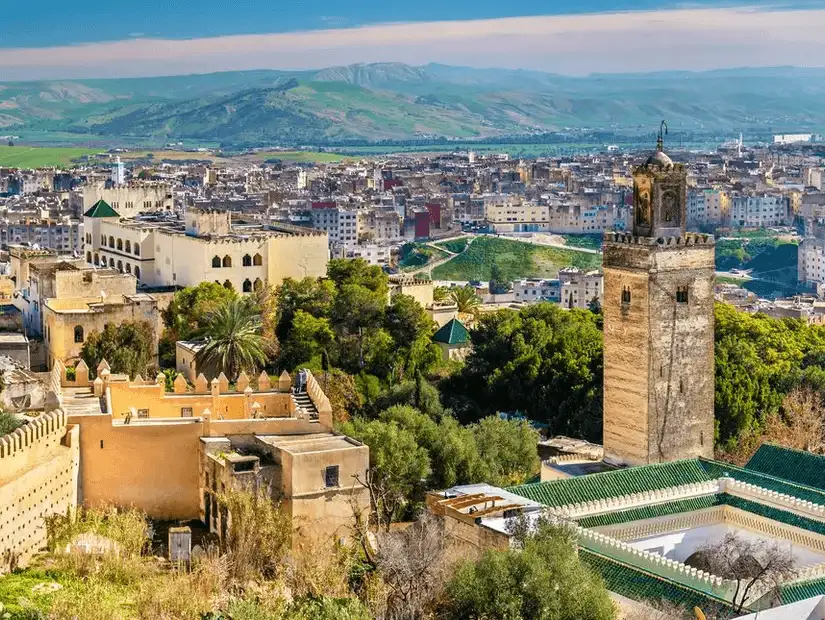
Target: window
227 261
626 295
247 286
186 412
331 476
228 285
143 413
97 259
120 245
78 334
111 242
216 262
137 272
127 246
102 240
247 260
137 249
128 268
120 266
88 257
682 294
258 260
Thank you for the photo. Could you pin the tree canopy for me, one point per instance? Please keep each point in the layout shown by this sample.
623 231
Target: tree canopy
128 348
234 340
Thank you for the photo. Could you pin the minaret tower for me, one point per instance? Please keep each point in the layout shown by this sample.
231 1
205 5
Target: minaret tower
658 325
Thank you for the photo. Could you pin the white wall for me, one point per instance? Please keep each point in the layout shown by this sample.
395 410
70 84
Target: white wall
680 545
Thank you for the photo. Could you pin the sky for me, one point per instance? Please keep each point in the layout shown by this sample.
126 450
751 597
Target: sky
83 38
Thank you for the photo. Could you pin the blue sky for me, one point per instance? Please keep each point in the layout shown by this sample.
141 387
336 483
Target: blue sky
52 22
83 39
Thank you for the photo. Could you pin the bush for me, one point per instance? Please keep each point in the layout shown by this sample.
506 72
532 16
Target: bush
9 423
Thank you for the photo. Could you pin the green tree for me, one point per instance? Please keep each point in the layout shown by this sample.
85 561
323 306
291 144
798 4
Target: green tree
466 299
312 295
347 271
498 283
185 317
398 466
541 360
407 320
234 341
513 584
308 338
509 449
128 348
441 294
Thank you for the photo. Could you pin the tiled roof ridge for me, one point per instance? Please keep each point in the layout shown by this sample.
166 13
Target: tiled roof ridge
752 472
771 444
668 583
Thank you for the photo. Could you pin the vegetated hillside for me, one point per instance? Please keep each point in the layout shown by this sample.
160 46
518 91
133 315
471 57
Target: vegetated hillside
398 102
515 258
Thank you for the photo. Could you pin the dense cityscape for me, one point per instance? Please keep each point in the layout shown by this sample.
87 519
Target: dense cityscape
412 312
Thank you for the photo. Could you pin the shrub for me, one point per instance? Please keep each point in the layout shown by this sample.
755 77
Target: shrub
9 423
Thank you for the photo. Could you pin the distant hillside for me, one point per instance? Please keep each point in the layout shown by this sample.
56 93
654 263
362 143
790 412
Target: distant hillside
398 102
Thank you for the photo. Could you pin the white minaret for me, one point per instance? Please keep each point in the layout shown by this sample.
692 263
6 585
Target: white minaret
118 172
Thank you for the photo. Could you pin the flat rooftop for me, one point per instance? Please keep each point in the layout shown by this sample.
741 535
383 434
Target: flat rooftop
310 442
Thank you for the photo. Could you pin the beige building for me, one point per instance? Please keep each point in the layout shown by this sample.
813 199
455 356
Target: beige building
173 454
579 289
708 208
162 250
517 217
131 198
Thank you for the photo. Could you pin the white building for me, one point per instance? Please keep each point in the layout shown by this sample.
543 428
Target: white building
341 225
118 172
536 289
161 250
579 288
752 211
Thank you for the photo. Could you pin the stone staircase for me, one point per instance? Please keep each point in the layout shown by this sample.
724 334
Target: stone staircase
302 401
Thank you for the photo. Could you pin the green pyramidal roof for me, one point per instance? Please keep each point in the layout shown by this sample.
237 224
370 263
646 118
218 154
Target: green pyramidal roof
793 465
452 333
101 209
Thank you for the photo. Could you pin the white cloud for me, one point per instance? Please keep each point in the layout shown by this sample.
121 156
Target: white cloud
689 39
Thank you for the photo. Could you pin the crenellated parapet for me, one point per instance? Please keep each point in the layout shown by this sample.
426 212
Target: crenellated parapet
49 427
688 239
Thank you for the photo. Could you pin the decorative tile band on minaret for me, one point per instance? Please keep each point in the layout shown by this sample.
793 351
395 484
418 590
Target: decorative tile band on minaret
658 325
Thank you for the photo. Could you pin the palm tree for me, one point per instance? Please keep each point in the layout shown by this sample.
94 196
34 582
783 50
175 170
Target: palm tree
466 299
235 342
440 294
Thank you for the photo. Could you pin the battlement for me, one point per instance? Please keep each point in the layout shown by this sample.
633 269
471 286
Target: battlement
689 239
31 443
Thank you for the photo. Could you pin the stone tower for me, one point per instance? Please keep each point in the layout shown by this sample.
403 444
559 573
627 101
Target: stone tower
658 326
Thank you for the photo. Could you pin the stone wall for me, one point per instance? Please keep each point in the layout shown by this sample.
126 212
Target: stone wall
38 477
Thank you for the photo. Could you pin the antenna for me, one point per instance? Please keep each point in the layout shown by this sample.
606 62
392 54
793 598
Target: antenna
660 140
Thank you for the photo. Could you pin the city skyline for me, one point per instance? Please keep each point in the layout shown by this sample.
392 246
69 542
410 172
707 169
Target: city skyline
630 39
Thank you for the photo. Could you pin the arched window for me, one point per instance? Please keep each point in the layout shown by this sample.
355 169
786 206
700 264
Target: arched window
127 246
120 266
227 261
111 262
102 240
128 268
626 295
78 334
120 245
97 259
111 242
228 284
258 284
216 262
88 257
247 260
258 260
137 272
247 286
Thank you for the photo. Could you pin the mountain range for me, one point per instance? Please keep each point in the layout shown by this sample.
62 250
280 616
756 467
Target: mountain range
390 101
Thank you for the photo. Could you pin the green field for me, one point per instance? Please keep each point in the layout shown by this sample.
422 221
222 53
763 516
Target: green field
41 157
456 246
417 255
516 259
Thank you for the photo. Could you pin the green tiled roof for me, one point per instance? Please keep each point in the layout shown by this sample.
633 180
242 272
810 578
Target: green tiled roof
716 469
656 510
614 483
452 333
794 465
800 591
101 209
776 514
639 585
